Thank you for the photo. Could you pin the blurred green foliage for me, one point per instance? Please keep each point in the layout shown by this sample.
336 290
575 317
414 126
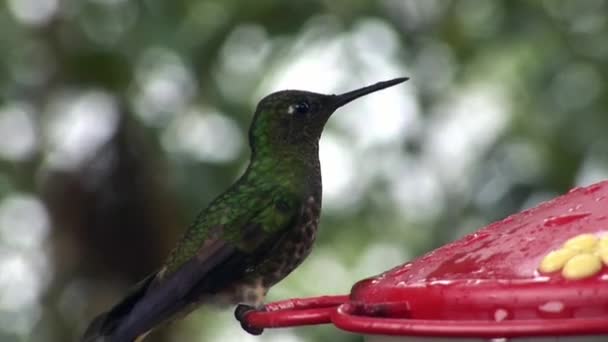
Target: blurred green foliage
120 119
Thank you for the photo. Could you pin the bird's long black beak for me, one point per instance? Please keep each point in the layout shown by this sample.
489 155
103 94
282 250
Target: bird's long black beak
342 99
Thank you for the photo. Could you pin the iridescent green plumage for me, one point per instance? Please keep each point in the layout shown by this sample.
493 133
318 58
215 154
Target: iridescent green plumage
251 236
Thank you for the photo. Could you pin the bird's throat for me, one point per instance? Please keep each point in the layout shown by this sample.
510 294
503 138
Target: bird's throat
299 170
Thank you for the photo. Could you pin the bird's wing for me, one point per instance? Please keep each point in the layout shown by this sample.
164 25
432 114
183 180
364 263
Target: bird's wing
221 259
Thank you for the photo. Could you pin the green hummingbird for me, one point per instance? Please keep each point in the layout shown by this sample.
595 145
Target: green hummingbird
251 236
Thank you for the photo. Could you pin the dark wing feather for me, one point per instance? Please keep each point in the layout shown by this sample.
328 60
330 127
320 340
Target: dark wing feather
156 300
153 300
165 297
214 269
217 264
106 323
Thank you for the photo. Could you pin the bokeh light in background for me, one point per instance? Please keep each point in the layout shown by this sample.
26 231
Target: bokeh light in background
120 119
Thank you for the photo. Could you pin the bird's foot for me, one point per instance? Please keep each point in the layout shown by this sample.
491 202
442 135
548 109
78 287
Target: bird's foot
240 313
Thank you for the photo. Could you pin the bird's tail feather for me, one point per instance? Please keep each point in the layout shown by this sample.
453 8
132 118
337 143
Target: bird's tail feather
102 328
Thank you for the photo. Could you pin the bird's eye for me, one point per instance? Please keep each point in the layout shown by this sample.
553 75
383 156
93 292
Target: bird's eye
299 108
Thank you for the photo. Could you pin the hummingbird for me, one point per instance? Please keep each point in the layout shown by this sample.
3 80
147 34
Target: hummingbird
251 236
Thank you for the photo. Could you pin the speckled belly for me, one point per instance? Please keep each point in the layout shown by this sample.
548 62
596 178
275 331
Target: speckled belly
284 257
290 253
295 247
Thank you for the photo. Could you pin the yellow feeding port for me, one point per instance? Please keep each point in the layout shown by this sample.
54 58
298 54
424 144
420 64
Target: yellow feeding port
583 242
555 260
582 266
579 257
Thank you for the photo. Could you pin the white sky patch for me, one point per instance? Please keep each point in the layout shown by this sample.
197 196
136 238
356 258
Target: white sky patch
538 197
387 115
18 283
463 128
593 170
434 67
416 190
17 129
24 221
24 275
24 226
243 57
245 48
374 38
78 126
33 12
379 118
379 256
338 171
164 86
415 14
319 69
203 136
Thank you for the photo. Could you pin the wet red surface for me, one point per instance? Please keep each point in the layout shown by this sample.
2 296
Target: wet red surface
495 268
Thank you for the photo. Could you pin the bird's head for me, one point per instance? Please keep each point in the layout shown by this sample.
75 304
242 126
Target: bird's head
293 120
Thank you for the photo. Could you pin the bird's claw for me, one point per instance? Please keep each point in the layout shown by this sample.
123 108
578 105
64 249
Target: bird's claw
240 313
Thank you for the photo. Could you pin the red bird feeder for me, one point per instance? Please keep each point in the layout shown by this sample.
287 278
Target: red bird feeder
537 275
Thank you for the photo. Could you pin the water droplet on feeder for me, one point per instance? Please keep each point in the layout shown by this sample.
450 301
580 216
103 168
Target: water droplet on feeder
552 307
500 315
554 221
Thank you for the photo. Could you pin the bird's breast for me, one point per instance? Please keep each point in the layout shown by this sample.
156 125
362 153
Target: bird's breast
281 259
296 245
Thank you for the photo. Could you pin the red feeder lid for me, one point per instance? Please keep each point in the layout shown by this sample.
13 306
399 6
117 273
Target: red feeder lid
540 272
